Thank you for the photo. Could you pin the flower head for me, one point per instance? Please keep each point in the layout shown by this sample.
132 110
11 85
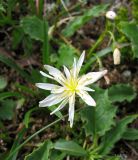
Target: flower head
110 15
70 85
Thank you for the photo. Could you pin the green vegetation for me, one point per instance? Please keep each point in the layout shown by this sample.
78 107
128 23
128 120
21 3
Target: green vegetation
36 33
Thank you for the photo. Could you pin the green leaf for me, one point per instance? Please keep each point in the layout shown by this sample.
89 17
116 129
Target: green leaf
131 31
41 153
33 26
131 134
115 134
27 44
7 109
25 89
11 6
27 116
99 54
2 9
19 138
114 158
79 21
58 113
17 36
66 55
3 82
55 154
121 92
4 95
103 112
70 147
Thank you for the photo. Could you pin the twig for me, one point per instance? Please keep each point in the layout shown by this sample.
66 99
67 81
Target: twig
130 147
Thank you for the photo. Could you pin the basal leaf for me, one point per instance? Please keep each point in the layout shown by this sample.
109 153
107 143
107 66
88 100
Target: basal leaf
66 55
79 21
70 147
41 153
27 116
115 134
4 95
55 154
131 134
99 119
121 92
19 138
131 31
33 26
17 37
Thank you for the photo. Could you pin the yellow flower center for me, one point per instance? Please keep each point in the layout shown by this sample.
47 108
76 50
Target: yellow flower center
72 84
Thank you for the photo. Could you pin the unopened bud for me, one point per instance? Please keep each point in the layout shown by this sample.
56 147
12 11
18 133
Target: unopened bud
110 15
116 56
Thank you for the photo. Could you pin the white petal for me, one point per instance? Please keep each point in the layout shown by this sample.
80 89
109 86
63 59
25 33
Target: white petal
57 99
91 77
67 72
59 90
48 98
55 72
60 106
71 109
74 69
86 89
46 75
47 86
80 62
86 98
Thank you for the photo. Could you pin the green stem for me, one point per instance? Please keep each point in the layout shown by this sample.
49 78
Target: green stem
99 41
45 43
93 59
36 133
95 141
33 135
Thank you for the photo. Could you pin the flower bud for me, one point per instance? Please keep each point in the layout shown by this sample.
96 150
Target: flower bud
116 56
110 15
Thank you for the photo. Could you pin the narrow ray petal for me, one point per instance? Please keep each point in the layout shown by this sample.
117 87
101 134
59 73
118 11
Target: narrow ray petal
86 89
55 72
62 105
71 109
67 72
86 98
47 86
91 77
48 98
46 75
74 69
80 62
52 102
58 90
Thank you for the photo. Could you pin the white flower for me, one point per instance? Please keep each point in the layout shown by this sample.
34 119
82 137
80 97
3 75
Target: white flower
110 15
69 86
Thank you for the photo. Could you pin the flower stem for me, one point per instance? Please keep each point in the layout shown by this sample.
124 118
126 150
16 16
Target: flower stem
99 41
36 133
33 135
